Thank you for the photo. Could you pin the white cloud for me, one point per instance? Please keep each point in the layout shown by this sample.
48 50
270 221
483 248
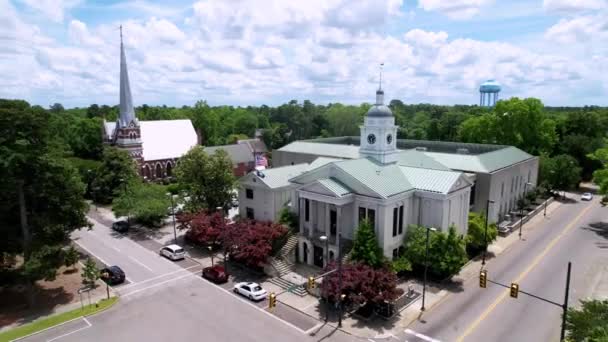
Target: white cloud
326 51
581 29
455 9
52 9
569 6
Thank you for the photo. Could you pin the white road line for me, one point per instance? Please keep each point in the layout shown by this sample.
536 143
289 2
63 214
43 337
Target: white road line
156 285
141 264
231 294
159 276
93 254
420 336
71 332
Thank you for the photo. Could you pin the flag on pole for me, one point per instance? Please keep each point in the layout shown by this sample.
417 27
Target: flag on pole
260 160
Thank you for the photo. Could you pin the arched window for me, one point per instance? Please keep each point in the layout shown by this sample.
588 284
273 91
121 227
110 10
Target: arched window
169 169
159 171
146 171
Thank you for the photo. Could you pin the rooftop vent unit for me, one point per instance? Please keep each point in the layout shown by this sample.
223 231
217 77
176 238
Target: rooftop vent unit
260 174
420 148
462 151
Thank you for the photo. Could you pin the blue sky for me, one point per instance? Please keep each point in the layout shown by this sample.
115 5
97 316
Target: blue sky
250 52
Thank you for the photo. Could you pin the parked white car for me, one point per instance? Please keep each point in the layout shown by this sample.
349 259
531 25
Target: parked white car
587 196
250 290
173 252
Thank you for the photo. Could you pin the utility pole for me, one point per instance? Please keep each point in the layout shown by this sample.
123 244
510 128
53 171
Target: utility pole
485 234
426 264
340 279
565 307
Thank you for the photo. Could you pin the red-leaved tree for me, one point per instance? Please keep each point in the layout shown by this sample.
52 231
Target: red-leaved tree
361 284
204 227
252 240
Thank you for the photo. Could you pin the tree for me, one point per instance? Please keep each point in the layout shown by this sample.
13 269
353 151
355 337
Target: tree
589 323
70 257
447 252
560 173
90 273
365 246
253 240
41 195
208 180
56 108
476 234
289 219
361 284
117 168
600 176
147 202
204 227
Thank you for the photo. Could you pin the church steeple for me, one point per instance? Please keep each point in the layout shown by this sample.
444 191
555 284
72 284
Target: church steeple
127 114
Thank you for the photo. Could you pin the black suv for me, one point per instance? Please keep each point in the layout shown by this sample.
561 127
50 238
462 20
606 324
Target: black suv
113 275
120 226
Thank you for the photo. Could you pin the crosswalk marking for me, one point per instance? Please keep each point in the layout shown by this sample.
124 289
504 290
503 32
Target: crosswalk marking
420 336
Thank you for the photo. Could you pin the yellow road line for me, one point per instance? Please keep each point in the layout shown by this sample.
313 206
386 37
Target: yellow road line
537 260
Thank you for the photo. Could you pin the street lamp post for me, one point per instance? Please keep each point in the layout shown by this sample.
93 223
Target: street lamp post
173 215
124 183
426 264
485 234
210 248
324 238
340 279
521 212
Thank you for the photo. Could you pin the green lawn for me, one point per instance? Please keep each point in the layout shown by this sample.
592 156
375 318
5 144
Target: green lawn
48 322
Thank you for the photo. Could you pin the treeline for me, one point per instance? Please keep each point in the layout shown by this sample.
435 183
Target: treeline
525 123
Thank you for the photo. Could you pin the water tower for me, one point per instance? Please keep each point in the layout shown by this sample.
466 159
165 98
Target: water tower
488 93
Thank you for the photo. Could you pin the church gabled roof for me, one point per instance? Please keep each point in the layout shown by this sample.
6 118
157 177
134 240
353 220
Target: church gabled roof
167 139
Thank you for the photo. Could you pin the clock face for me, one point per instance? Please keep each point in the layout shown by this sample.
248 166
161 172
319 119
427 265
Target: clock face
389 139
371 139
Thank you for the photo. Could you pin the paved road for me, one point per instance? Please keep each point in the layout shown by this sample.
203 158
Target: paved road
538 263
167 301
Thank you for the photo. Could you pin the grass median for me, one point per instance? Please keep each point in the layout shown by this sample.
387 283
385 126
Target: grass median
51 321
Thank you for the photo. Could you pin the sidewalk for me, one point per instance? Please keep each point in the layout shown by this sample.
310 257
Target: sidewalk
435 293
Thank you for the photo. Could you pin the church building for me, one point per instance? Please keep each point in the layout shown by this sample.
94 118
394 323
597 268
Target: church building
391 188
155 145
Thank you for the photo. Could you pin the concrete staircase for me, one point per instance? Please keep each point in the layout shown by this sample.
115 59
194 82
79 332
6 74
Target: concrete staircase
289 246
282 266
290 286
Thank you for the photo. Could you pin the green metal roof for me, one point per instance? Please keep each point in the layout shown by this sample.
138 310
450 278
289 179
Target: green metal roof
385 180
279 177
482 163
414 158
323 150
335 186
431 180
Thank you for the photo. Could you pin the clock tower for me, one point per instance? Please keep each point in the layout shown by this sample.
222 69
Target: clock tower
379 133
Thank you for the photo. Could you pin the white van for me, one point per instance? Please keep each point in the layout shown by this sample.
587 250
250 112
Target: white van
173 252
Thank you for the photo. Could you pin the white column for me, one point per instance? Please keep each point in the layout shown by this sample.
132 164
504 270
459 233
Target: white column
327 221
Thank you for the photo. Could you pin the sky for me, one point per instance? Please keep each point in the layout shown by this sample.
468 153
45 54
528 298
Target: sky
243 52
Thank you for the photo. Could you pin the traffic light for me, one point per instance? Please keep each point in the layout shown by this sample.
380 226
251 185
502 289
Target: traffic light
514 290
483 279
311 282
272 300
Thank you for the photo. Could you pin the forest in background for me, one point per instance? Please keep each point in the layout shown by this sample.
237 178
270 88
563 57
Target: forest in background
525 123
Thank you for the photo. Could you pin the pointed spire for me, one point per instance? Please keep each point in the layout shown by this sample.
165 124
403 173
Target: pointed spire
380 92
127 114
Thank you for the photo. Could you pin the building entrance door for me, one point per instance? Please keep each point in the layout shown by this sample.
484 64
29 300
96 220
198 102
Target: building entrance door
318 256
333 222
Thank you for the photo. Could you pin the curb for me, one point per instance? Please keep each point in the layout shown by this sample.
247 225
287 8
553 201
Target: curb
66 322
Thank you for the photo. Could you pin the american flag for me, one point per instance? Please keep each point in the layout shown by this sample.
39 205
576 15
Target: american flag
260 160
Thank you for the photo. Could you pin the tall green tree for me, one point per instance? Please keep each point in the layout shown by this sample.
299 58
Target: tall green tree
41 195
560 173
589 323
476 234
148 203
600 176
90 273
117 169
208 180
365 246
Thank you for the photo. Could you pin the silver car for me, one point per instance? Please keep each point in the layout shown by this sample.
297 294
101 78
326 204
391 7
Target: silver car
250 290
587 196
173 252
